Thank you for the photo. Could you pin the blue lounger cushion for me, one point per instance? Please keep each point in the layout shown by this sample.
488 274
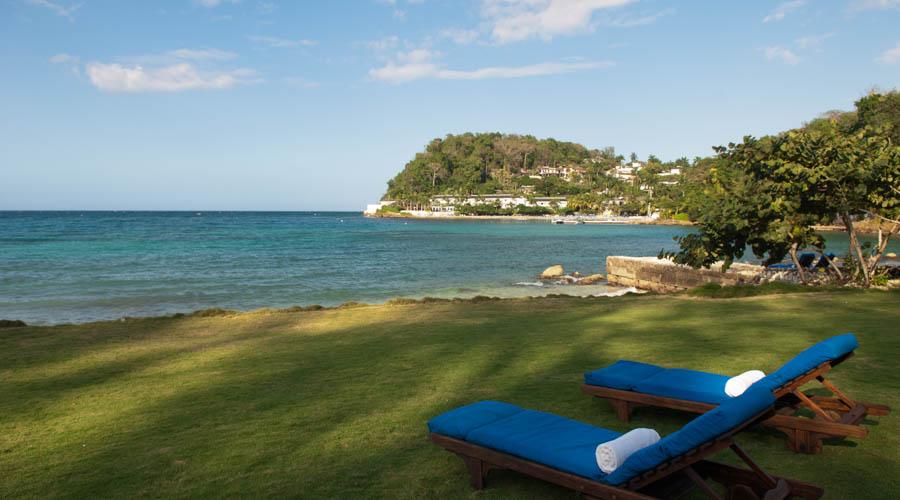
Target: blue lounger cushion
670 382
570 446
707 387
622 374
558 442
685 384
458 423
548 439
826 350
706 427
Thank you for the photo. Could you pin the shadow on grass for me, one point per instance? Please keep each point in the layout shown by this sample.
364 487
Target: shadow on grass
336 406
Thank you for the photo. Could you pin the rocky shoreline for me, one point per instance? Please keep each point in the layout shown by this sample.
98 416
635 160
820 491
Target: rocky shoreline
556 274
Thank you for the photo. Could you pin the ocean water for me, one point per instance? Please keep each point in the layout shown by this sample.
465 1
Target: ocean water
60 267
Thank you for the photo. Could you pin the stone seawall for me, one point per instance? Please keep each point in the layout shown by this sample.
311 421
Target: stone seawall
659 275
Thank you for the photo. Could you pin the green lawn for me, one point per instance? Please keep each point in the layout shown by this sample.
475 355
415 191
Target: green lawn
333 403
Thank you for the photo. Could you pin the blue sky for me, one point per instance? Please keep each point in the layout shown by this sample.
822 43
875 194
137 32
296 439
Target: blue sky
289 105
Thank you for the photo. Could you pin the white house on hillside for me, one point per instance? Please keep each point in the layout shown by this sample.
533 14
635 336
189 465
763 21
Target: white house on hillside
565 172
627 171
670 177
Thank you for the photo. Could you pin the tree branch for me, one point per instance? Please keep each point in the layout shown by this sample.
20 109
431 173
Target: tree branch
895 222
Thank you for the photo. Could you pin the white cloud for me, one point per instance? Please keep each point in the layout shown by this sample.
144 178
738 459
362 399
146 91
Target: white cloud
281 43
629 21
875 4
57 7
777 53
68 60
813 41
205 55
890 56
540 69
202 54
783 10
384 44
174 78
398 13
215 3
459 36
64 59
418 64
299 81
516 20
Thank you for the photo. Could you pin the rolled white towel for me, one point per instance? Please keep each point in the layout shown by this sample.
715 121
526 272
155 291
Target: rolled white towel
737 385
612 454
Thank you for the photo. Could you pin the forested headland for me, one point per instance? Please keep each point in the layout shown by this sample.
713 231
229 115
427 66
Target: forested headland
768 194
488 163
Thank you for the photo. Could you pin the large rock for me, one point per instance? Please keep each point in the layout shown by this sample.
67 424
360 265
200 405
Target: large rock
592 279
553 272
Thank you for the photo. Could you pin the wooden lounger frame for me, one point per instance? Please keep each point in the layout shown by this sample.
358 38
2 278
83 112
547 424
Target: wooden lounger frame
667 480
837 416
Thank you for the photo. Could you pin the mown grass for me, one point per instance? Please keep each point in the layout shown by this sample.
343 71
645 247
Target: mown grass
717 291
333 403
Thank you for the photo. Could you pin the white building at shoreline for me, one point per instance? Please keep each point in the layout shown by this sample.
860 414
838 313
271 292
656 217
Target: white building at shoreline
447 203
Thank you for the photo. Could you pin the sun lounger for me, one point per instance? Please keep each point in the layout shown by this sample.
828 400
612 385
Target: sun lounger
823 262
492 435
627 384
806 261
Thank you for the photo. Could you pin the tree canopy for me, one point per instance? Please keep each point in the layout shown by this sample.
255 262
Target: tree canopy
488 163
769 193
482 164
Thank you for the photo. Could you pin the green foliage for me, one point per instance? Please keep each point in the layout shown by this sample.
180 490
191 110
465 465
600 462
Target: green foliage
790 181
483 209
682 217
532 210
587 203
880 110
212 312
482 164
768 193
294 309
401 301
389 209
881 279
496 209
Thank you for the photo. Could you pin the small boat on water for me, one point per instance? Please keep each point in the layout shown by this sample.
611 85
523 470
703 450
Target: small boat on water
560 220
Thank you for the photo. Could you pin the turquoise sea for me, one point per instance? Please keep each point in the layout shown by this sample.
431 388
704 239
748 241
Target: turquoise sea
60 267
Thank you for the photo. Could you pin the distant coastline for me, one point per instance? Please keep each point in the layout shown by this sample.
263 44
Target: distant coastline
571 219
542 218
